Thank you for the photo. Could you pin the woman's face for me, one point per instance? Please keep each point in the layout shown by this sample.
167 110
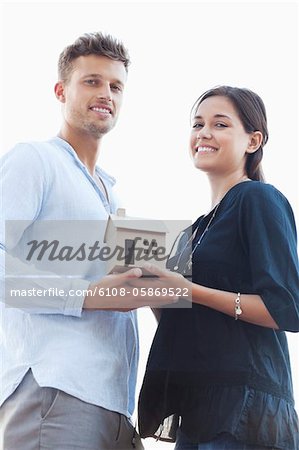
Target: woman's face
218 142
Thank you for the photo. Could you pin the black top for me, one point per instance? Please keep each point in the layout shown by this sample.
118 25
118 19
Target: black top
216 373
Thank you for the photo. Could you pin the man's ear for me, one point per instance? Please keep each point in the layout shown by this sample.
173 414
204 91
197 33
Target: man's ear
59 91
255 141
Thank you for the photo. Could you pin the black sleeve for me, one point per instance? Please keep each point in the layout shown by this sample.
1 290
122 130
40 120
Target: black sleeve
268 231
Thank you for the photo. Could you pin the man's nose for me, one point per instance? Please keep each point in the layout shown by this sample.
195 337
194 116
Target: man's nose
104 92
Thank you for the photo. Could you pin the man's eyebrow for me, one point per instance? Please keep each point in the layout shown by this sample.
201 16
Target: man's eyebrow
99 76
93 75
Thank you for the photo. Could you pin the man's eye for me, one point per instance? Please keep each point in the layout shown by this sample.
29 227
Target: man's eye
91 82
116 87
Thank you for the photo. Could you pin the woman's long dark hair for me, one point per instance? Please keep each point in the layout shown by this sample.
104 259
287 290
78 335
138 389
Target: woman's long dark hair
252 113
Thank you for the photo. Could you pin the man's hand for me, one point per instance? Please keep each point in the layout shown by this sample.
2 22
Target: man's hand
118 292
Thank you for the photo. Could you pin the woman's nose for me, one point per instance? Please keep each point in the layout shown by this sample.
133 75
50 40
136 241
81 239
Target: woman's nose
204 133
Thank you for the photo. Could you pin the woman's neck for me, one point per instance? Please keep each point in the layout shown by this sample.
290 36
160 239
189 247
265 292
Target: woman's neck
220 186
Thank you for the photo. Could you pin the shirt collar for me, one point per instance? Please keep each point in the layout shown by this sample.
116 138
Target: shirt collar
66 146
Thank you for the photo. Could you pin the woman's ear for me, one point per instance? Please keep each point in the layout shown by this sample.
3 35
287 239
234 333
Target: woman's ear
59 91
255 141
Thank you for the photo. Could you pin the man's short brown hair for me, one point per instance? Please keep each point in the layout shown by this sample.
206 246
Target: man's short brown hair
91 44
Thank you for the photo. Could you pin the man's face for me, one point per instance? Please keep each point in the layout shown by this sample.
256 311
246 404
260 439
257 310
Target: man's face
92 95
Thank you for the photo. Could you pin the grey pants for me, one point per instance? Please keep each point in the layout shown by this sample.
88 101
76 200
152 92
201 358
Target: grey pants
38 418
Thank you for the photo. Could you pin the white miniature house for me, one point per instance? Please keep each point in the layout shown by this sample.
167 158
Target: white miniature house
134 242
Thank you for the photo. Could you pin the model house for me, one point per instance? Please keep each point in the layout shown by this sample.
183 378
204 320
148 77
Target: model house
134 242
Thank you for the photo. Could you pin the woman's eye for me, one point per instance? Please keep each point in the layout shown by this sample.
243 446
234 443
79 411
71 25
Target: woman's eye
221 125
197 125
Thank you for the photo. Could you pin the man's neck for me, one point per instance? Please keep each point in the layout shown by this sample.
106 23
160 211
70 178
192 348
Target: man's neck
86 147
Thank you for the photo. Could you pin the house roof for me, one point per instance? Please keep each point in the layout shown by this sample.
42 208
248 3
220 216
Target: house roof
134 223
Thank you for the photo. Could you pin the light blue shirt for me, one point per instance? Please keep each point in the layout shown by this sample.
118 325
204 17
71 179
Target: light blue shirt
91 355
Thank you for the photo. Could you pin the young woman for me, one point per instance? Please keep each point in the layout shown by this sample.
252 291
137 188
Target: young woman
221 368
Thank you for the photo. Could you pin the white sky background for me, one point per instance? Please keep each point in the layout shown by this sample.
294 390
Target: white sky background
178 50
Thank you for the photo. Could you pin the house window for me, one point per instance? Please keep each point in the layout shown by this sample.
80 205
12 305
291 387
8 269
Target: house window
129 251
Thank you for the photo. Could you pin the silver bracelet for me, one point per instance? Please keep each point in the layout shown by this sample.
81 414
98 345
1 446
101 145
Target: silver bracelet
238 310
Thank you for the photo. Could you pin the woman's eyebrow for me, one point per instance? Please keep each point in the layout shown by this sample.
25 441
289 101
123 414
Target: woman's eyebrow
217 116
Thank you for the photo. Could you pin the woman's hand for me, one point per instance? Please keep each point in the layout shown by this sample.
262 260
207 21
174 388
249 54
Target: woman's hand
118 292
163 281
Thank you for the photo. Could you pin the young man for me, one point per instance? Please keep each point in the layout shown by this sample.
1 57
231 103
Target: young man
69 362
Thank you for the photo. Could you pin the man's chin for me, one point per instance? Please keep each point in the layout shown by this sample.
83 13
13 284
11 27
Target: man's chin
97 131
